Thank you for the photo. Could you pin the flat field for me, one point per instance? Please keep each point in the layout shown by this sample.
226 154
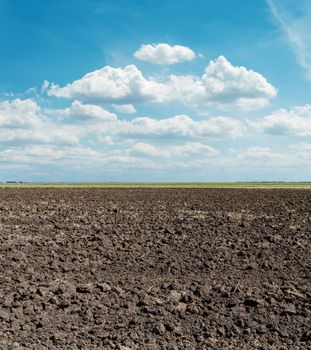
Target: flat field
155 268
161 184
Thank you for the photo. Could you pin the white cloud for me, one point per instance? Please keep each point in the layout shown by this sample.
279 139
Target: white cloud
20 114
223 80
293 122
164 53
294 19
294 156
261 157
82 158
303 150
147 149
77 110
178 126
106 140
194 148
25 122
127 109
114 85
189 148
302 147
50 134
46 154
256 152
45 86
222 85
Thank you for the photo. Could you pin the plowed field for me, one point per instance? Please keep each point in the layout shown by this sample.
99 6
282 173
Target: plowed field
94 268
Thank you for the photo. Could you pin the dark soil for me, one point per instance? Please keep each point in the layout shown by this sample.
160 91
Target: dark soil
155 269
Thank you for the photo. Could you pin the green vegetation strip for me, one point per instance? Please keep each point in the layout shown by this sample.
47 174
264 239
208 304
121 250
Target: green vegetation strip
162 184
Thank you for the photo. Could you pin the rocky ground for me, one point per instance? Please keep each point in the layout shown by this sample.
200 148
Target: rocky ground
155 269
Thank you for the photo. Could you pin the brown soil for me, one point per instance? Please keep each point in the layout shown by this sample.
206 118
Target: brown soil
155 269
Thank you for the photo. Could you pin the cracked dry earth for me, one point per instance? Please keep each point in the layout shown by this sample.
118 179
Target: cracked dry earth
95 268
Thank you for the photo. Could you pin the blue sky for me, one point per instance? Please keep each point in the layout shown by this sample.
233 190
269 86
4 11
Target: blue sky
155 91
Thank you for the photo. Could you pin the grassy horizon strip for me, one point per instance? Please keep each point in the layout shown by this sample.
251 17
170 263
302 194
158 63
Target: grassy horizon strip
157 184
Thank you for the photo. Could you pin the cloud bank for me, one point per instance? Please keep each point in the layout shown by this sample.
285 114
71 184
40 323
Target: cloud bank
118 120
221 85
294 122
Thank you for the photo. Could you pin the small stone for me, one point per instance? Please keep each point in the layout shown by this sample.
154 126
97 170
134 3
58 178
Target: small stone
181 307
169 230
84 288
178 331
160 328
194 310
4 315
212 340
289 309
103 287
119 290
247 331
42 291
175 296
295 293
261 329
205 293
221 331
159 301
8 300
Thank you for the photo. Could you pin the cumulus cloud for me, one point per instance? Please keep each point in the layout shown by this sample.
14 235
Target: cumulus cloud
46 154
189 148
146 149
221 85
19 113
106 140
27 130
114 85
82 158
127 109
50 134
302 147
194 148
257 152
302 150
77 110
291 122
224 85
164 53
259 157
293 156
178 126
25 122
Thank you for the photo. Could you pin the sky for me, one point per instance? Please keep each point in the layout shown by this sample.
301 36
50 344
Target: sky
199 90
